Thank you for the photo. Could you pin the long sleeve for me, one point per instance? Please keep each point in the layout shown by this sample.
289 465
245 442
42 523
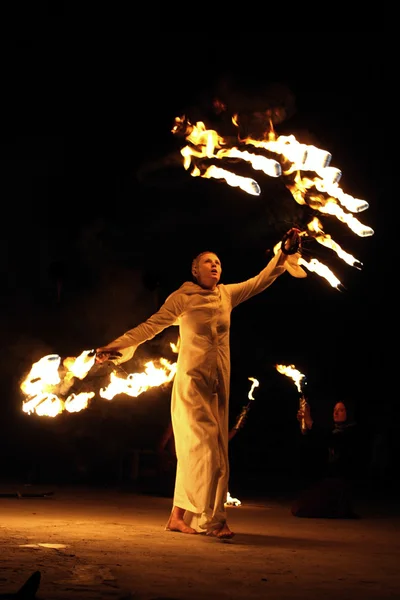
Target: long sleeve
166 316
243 291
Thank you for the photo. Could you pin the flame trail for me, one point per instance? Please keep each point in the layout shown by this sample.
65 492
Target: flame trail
294 160
48 383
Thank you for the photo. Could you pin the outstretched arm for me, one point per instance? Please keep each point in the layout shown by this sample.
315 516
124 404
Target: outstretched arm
126 344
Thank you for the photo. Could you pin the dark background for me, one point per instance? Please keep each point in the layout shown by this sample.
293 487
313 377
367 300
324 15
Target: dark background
101 222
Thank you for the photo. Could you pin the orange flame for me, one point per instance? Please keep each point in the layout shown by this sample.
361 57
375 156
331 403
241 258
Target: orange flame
136 383
244 183
175 347
45 383
293 373
255 384
230 501
320 193
48 382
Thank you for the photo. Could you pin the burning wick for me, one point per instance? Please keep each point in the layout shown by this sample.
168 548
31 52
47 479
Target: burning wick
299 381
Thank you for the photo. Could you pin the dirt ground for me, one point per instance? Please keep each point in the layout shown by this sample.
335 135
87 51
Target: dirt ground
95 544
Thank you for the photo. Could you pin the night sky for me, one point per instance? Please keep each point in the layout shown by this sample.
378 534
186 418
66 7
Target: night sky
102 221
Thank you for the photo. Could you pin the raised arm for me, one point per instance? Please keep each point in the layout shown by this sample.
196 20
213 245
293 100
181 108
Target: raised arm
285 259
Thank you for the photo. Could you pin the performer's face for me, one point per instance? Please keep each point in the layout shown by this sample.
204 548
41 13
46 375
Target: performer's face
339 413
207 270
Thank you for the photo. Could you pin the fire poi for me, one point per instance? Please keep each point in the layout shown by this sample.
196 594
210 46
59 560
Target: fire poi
300 381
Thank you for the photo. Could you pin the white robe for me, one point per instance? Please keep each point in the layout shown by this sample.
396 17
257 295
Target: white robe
200 391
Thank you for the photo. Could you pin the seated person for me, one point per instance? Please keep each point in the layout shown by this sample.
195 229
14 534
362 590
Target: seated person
331 496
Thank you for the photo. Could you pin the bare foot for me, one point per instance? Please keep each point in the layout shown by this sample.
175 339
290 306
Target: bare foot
176 522
222 533
179 525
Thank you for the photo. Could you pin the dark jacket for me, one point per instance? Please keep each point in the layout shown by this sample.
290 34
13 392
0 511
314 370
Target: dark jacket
343 448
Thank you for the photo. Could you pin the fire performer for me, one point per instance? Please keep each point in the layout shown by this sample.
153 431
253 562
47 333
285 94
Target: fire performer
200 392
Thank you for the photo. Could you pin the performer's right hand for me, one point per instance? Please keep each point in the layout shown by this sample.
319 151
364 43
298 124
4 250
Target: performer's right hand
104 354
291 241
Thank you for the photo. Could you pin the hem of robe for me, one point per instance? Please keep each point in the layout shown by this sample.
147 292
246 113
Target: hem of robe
202 522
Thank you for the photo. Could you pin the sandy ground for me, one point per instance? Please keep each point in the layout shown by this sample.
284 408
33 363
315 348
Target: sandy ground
110 544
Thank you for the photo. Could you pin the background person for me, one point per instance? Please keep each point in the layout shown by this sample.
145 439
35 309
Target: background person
331 496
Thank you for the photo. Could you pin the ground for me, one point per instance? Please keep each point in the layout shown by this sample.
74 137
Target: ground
95 544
